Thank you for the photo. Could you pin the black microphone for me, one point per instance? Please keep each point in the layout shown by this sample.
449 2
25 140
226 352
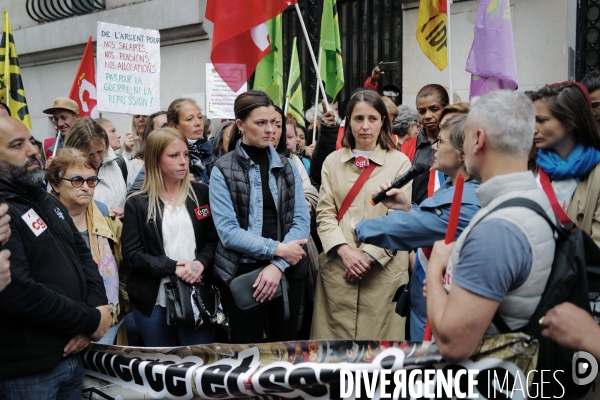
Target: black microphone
412 173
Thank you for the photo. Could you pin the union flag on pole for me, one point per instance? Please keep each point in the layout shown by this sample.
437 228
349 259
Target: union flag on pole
12 92
240 36
431 31
83 91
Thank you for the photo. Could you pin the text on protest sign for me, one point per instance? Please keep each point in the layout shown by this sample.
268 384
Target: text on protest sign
219 97
128 78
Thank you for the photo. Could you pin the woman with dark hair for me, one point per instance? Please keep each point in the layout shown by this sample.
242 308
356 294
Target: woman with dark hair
184 115
115 173
356 285
568 154
166 235
221 139
431 101
258 205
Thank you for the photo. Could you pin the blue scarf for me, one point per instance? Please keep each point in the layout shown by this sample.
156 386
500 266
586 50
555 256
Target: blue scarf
578 163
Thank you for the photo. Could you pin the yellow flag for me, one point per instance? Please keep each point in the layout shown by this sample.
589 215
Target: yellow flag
431 31
12 92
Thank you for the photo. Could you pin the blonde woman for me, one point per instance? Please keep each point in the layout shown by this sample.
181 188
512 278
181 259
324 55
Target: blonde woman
168 231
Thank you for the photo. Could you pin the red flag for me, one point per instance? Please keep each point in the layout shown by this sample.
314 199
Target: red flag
240 36
450 230
83 90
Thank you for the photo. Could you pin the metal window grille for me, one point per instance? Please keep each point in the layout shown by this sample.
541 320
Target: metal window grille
370 31
587 56
43 11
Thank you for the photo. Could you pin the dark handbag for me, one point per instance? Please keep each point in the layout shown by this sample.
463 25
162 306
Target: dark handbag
242 292
193 303
300 270
178 302
402 299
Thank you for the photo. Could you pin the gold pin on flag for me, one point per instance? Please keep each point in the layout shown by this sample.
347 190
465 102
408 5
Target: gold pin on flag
12 92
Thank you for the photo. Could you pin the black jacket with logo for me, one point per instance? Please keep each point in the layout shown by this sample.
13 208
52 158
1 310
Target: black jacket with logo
55 284
143 250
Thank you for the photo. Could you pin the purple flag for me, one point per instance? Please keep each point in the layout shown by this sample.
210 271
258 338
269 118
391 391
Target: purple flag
492 61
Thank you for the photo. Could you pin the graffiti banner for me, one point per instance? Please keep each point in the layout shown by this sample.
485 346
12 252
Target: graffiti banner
499 368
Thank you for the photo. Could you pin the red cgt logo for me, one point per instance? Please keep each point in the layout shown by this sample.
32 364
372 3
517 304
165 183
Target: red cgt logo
202 212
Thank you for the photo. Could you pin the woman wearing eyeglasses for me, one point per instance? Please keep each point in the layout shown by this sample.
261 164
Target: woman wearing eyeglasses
72 177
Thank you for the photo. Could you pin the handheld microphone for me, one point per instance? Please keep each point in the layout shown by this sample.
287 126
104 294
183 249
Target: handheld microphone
412 173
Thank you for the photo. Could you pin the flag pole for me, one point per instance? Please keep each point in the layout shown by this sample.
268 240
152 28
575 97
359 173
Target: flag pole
6 58
449 48
314 135
56 144
312 56
287 103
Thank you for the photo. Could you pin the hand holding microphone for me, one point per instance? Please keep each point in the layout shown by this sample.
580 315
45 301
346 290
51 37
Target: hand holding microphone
403 180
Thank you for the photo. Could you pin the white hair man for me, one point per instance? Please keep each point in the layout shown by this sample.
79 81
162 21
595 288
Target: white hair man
500 263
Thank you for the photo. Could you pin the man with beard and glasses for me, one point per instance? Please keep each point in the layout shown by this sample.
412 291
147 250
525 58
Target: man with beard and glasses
56 302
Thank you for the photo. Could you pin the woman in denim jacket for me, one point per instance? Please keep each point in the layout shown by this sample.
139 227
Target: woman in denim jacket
258 206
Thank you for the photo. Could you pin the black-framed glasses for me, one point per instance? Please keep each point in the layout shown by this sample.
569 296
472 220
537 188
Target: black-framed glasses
437 142
77 181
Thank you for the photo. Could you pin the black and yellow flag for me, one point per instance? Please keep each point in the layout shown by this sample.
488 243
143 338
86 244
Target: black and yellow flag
431 31
12 92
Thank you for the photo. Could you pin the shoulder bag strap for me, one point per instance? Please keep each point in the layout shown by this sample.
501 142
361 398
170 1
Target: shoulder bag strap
354 190
563 218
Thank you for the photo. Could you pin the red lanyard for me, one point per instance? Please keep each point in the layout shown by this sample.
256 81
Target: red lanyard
563 218
358 184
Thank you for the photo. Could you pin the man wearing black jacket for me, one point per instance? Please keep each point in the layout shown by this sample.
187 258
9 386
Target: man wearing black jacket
56 301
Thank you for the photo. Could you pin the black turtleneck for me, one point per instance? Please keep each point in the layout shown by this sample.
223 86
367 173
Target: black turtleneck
261 158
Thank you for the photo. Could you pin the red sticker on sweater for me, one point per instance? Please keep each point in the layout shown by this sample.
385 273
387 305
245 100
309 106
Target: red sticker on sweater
202 212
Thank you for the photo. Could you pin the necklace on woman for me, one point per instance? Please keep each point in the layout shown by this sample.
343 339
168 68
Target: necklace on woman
171 198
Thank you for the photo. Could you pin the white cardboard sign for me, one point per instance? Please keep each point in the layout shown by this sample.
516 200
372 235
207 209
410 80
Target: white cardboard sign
128 77
219 97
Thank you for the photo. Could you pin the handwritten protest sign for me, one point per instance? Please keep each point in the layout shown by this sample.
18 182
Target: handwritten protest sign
219 97
128 79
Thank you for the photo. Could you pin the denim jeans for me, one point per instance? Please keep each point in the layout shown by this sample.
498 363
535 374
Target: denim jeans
156 332
62 382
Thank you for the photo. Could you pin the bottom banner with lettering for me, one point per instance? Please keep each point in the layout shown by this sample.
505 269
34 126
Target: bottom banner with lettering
500 368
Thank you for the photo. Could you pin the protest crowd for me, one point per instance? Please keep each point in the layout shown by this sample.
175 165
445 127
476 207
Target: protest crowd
184 233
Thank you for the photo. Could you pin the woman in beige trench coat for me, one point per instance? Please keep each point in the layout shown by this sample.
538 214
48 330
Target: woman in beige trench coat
356 285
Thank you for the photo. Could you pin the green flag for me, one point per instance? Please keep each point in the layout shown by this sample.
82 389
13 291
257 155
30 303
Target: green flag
269 71
330 46
293 96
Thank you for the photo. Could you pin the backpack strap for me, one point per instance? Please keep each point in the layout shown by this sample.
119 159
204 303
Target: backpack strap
123 166
533 206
